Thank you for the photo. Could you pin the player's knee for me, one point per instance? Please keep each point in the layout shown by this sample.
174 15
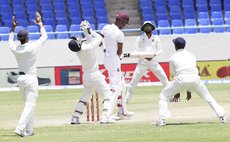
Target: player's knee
163 97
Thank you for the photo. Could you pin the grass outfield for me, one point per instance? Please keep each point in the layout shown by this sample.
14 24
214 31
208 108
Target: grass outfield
191 121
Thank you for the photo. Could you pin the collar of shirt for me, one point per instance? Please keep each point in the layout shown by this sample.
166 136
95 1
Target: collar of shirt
23 45
115 26
179 50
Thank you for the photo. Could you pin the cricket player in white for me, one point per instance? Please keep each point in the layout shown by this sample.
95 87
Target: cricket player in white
113 42
148 43
147 48
185 72
93 79
26 56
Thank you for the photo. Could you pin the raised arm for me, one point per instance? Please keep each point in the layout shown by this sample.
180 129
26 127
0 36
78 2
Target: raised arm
38 21
93 39
11 37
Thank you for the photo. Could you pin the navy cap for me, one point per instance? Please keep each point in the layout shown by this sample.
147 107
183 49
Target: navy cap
123 16
179 42
22 34
147 23
74 44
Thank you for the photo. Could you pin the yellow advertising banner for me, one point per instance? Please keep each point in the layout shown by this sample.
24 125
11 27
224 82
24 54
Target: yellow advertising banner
212 70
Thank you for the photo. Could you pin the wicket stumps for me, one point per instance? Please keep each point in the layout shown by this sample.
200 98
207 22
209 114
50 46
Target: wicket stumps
90 106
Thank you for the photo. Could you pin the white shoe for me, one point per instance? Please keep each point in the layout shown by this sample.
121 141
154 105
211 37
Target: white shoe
106 120
75 120
160 122
23 133
123 116
222 119
115 117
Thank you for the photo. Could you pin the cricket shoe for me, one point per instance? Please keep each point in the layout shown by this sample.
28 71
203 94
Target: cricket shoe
123 116
115 117
160 122
222 119
107 120
23 133
75 120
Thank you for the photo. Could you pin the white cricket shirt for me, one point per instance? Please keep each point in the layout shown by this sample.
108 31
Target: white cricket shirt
26 54
183 63
145 44
112 36
87 55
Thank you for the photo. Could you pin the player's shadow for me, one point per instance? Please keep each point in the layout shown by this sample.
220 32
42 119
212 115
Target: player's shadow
9 135
192 123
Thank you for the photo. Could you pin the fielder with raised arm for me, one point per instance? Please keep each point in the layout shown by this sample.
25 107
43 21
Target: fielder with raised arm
183 66
113 42
26 56
93 79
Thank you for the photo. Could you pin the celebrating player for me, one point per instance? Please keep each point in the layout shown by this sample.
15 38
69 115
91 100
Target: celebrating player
26 56
93 80
114 39
185 72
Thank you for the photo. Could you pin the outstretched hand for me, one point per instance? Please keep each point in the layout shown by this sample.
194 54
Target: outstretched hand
14 23
38 19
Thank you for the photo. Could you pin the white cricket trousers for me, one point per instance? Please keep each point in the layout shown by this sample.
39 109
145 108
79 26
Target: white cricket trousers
186 82
113 65
141 68
93 82
28 85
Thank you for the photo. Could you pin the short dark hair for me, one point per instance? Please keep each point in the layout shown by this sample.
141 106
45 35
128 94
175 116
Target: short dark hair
22 35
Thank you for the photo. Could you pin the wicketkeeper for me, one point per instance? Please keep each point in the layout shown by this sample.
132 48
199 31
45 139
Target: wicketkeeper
93 79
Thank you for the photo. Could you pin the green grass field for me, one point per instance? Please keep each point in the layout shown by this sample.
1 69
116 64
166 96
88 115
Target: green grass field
191 121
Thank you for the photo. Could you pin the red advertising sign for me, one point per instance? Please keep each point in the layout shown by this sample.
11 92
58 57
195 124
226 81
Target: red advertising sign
128 70
72 75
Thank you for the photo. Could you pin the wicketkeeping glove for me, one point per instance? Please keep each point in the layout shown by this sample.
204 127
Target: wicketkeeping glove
84 25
